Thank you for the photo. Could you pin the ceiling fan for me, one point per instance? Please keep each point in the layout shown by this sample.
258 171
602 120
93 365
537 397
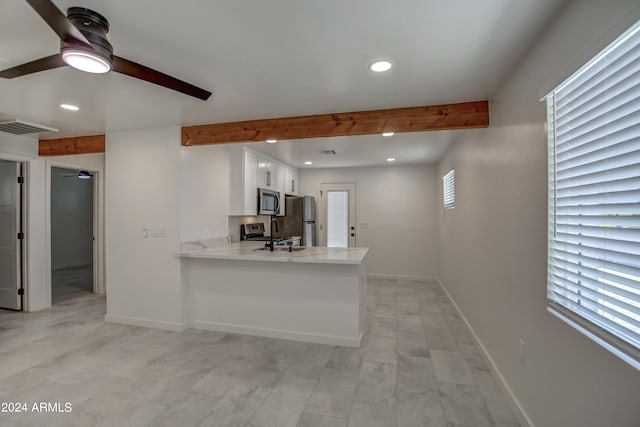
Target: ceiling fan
84 45
80 175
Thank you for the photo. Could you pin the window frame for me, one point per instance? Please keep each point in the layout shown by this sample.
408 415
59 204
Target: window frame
600 333
449 189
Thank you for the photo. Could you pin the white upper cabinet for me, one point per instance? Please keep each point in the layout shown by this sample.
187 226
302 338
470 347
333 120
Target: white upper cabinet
267 173
291 182
281 180
243 184
249 171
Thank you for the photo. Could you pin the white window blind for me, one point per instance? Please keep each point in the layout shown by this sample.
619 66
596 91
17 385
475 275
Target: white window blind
338 219
593 278
449 189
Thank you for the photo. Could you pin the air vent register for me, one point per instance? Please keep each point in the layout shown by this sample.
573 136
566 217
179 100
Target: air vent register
20 127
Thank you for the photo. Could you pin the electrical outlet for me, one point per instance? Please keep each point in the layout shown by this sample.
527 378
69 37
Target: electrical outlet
522 350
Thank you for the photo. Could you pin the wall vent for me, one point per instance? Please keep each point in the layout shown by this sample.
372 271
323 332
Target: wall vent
20 127
328 152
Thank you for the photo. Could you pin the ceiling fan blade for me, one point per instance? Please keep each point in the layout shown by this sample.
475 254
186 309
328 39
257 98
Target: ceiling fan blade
42 64
58 22
141 72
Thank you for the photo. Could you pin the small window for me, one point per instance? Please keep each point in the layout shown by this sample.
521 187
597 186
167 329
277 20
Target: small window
449 189
593 273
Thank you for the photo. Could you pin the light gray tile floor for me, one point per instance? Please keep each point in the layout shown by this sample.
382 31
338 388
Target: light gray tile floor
72 282
418 366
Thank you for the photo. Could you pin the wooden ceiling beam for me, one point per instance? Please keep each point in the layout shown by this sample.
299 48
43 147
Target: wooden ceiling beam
465 115
74 145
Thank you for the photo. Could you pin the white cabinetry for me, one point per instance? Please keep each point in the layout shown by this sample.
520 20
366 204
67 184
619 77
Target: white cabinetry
249 171
243 185
267 173
281 180
291 181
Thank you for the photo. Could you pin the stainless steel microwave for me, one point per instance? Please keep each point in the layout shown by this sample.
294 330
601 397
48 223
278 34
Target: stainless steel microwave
268 202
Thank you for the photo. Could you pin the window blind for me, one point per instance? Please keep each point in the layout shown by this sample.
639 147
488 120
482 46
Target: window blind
338 219
449 189
594 197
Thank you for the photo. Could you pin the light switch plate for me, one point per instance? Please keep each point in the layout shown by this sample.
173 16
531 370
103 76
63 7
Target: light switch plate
157 232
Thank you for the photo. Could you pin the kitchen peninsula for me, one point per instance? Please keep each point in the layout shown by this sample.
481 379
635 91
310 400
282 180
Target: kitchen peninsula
313 294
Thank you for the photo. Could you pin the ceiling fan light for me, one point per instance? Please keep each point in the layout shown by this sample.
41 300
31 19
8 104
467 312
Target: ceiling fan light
86 61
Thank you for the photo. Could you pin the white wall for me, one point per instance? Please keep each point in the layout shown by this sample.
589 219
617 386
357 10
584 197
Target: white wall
17 147
204 183
397 204
142 191
71 219
38 290
493 244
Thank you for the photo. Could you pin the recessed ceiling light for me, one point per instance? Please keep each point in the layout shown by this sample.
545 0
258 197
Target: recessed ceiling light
380 66
388 133
308 163
69 107
391 159
272 141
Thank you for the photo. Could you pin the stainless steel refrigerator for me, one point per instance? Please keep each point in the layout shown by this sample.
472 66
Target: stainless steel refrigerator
300 219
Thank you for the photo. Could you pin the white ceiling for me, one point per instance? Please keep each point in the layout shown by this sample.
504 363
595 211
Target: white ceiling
274 58
362 150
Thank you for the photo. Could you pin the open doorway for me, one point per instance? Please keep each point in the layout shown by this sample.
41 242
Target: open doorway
72 234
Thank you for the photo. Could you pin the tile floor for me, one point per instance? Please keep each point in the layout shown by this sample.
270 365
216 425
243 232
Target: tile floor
418 366
68 283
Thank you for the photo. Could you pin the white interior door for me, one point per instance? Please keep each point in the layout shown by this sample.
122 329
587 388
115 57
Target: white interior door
9 228
338 227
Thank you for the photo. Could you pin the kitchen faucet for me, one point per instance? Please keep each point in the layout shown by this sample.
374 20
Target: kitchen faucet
274 220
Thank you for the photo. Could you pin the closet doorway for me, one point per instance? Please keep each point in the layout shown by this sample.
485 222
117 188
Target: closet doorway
72 234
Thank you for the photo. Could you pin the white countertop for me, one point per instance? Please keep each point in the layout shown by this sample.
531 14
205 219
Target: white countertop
246 251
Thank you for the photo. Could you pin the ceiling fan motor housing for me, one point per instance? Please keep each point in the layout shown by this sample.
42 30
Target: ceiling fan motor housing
94 27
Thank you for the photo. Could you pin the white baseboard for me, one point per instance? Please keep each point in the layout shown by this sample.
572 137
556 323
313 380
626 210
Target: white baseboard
147 323
36 306
401 277
277 333
517 408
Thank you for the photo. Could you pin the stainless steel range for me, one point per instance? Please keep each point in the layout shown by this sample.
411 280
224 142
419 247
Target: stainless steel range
255 232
